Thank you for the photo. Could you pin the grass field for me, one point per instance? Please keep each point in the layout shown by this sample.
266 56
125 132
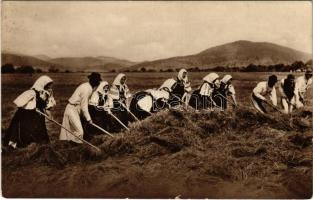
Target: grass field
246 156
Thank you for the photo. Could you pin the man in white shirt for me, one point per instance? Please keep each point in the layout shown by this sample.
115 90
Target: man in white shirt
78 104
302 85
263 89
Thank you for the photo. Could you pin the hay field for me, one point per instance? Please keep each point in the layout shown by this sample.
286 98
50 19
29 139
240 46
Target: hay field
234 154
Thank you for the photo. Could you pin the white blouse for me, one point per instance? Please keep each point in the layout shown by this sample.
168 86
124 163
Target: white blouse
27 100
206 89
262 90
81 97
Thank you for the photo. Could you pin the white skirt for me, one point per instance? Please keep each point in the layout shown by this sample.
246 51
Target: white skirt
71 121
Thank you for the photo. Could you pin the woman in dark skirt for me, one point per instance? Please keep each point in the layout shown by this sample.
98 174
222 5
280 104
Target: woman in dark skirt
100 105
27 125
119 92
178 88
145 103
221 94
202 97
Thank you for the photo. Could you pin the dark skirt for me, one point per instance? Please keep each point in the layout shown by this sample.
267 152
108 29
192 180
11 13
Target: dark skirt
27 126
219 100
122 114
198 101
98 117
135 109
177 94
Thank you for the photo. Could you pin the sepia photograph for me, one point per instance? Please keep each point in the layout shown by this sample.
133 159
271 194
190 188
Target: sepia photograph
156 99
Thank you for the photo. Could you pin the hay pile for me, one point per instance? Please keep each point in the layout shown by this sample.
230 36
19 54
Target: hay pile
194 155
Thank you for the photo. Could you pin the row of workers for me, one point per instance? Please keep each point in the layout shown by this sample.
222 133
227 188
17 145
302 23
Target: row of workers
96 102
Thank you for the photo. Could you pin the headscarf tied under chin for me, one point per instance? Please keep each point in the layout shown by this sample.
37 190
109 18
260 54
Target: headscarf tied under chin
118 90
180 75
41 82
101 86
210 78
226 78
39 86
117 80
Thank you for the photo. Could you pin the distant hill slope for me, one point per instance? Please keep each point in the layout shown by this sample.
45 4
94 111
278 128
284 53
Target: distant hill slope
19 60
101 63
235 54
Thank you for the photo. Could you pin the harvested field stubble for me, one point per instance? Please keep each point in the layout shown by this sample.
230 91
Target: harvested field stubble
192 154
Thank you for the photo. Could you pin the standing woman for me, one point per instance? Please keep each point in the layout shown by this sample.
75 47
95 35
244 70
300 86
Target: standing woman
202 97
120 93
27 125
100 105
225 89
178 88
77 106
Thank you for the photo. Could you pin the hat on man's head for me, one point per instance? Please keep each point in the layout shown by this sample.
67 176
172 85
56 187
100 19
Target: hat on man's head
94 76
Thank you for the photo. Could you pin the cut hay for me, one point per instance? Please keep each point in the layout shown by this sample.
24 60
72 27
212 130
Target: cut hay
195 155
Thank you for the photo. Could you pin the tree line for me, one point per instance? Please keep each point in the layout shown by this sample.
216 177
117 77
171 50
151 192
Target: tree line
26 69
296 66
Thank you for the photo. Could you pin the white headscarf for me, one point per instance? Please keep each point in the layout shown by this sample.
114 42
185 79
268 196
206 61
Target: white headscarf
27 99
168 84
226 78
180 75
159 94
211 77
100 87
41 82
117 80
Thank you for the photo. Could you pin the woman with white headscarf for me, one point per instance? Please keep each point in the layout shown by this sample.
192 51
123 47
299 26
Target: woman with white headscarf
202 97
119 90
223 91
120 93
28 126
100 105
178 88
145 103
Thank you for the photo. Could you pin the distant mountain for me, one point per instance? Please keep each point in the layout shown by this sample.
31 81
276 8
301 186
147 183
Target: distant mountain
19 60
236 54
42 57
101 63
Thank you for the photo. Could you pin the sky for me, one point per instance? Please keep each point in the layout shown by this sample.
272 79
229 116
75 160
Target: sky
140 31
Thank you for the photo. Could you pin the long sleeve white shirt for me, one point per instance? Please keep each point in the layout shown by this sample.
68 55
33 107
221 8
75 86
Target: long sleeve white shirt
116 90
206 90
302 84
81 97
94 100
262 89
27 100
